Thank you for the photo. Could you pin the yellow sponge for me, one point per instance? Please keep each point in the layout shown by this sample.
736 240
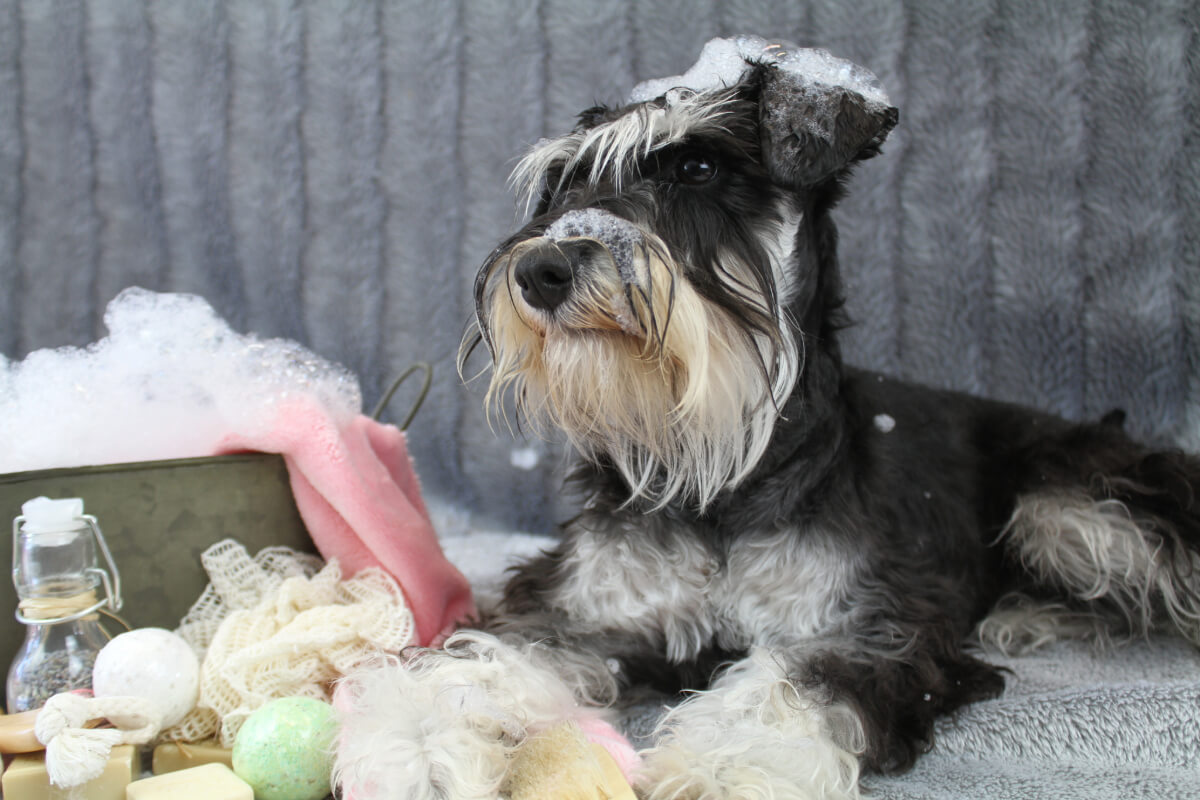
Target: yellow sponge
561 764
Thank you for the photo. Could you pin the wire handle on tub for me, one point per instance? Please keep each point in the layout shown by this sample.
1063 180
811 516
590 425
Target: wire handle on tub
416 406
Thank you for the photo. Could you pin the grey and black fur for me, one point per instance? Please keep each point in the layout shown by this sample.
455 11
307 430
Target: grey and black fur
824 588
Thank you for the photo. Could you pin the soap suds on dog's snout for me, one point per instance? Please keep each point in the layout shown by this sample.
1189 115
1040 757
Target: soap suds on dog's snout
620 236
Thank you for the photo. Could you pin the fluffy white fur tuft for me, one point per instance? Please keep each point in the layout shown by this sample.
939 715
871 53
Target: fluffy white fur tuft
1096 550
754 735
1020 624
440 726
670 588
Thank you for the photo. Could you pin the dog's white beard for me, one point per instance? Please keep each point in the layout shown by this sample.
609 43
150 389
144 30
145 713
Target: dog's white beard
685 409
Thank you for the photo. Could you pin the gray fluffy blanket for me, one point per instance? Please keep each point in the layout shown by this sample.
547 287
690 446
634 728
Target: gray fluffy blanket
1074 723
334 171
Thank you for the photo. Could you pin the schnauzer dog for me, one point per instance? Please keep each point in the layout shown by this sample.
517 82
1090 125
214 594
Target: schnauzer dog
807 545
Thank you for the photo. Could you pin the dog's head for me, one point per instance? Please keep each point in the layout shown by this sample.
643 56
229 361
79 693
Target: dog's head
650 309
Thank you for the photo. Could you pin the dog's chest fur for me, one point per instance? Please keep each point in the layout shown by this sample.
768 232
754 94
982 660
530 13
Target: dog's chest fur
676 590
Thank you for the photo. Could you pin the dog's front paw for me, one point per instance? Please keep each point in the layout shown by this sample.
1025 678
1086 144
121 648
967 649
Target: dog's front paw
749 768
744 771
418 732
443 724
754 735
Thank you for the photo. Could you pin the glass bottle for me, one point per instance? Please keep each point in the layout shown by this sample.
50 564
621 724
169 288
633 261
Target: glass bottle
58 585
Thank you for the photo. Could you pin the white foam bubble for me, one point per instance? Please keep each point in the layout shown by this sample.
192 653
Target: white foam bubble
170 380
723 63
619 235
594 223
524 458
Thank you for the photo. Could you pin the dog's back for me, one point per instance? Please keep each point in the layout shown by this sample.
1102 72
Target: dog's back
1075 514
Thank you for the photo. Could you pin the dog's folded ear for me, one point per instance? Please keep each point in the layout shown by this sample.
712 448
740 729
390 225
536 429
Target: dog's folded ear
810 131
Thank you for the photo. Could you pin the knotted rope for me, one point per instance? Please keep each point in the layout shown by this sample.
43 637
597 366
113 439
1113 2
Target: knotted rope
76 754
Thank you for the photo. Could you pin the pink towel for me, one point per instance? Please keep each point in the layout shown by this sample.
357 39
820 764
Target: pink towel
360 499
599 732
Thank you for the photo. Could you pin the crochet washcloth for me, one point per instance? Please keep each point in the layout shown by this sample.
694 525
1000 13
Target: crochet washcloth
282 625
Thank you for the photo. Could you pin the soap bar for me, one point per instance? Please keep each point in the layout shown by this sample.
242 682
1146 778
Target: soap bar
560 762
174 756
209 782
26 778
615 784
16 733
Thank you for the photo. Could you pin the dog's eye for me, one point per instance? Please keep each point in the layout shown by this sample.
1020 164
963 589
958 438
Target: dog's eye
695 169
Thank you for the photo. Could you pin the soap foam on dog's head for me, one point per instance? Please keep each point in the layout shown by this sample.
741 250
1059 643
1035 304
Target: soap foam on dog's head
723 63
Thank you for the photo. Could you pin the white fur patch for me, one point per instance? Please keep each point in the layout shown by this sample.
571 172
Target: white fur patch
771 589
440 726
1018 624
1095 550
782 587
656 592
754 735
781 248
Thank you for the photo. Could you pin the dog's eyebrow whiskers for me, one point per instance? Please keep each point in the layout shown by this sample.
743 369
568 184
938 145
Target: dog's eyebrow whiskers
614 147
531 171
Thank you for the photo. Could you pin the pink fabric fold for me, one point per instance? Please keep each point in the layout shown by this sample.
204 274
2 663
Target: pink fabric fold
597 731
360 498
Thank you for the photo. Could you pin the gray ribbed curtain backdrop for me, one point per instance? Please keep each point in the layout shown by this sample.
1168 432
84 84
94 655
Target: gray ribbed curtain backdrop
334 171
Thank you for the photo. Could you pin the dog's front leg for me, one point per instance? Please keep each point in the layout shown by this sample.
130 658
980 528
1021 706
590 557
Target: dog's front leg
443 724
755 733
796 720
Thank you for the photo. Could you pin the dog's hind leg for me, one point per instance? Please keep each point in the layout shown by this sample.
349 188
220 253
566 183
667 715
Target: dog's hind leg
1114 527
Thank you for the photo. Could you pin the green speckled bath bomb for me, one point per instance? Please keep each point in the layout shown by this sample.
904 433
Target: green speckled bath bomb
284 750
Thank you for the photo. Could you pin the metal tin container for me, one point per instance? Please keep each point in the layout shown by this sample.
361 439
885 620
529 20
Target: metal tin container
158 517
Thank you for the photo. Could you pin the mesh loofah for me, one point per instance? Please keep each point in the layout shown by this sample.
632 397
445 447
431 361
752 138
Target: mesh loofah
281 625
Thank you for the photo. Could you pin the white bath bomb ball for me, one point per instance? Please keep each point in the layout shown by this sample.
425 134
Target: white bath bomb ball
284 750
151 663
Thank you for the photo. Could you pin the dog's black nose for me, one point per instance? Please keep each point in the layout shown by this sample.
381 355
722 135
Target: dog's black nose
545 277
